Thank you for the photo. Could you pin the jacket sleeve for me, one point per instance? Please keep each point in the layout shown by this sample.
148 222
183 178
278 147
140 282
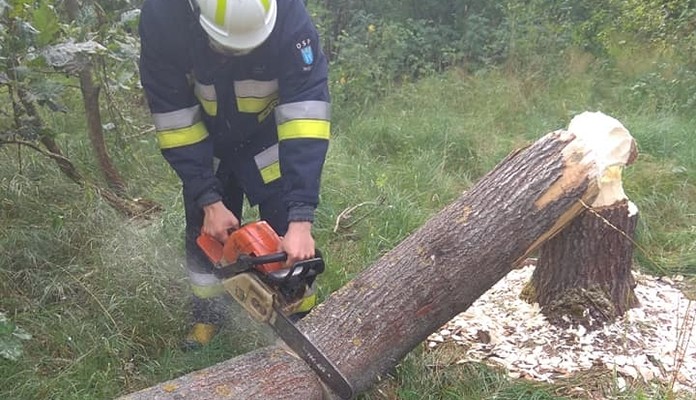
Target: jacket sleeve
182 137
303 113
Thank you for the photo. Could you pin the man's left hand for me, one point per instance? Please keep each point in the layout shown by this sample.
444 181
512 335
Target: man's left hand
298 242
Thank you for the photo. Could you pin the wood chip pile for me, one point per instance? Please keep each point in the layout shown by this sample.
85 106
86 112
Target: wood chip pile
655 342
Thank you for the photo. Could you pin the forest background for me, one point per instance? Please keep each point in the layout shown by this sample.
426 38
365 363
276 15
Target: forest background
428 95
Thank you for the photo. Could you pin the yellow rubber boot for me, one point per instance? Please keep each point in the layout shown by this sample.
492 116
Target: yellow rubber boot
200 335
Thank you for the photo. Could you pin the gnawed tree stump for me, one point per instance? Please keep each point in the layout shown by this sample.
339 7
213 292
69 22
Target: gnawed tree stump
583 276
370 324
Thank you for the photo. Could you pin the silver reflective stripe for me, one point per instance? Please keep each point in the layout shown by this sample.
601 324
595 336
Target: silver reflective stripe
311 109
201 279
258 89
177 119
205 92
267 157
216 164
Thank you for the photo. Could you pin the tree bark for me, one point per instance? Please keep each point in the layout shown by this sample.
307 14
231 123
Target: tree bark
90 95
370 324
584 273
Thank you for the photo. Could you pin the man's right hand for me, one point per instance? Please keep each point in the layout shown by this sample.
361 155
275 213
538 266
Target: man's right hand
218 221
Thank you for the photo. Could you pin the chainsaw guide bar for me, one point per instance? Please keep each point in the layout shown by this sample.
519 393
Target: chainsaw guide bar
305 349
262 305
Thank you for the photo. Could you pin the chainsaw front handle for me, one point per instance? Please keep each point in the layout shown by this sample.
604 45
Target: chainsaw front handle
265 259
301 270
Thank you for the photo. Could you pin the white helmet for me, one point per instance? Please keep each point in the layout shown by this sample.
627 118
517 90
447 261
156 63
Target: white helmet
238 25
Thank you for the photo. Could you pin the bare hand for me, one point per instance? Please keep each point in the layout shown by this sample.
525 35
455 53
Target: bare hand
298 242
218 221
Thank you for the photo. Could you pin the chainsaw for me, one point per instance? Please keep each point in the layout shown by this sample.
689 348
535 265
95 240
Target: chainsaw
253 272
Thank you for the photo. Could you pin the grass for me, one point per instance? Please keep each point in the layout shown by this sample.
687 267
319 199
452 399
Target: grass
105 299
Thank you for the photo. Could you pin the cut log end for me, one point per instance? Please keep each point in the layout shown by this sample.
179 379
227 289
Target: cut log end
613 148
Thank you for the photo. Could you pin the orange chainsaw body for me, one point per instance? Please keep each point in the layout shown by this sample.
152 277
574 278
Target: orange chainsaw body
254 239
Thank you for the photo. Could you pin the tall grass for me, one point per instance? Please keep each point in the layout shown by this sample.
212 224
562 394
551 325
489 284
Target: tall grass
105 298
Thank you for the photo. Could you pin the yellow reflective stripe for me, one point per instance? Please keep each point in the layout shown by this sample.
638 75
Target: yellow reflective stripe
304 129
271 172
182 137
220 12
207 96
210 106
267 163
266 112
255 104
256 96
266 4
207 292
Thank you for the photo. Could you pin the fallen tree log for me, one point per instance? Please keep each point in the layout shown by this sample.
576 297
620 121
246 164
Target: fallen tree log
370 324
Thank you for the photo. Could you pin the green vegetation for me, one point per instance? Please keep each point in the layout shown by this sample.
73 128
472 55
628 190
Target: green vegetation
429 96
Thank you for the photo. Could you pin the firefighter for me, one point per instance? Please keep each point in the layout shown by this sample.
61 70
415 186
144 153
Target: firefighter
238 94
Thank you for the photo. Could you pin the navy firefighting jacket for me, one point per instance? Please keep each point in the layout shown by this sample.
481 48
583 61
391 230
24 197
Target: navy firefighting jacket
205 104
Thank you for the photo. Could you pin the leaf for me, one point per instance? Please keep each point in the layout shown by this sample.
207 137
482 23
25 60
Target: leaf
45 21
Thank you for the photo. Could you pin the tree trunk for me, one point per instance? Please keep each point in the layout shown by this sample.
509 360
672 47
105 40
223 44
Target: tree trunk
583 276
90 96
90 99
584 273
370 324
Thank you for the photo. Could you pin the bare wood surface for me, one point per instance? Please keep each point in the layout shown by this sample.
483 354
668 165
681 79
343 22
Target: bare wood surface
370 324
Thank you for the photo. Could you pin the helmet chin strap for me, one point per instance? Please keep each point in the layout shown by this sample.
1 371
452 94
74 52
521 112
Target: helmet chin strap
220 49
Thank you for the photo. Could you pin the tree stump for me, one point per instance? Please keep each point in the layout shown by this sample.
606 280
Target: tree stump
370 324
583 276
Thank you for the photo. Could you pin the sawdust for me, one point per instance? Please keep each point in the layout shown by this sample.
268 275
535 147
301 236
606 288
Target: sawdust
654 343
